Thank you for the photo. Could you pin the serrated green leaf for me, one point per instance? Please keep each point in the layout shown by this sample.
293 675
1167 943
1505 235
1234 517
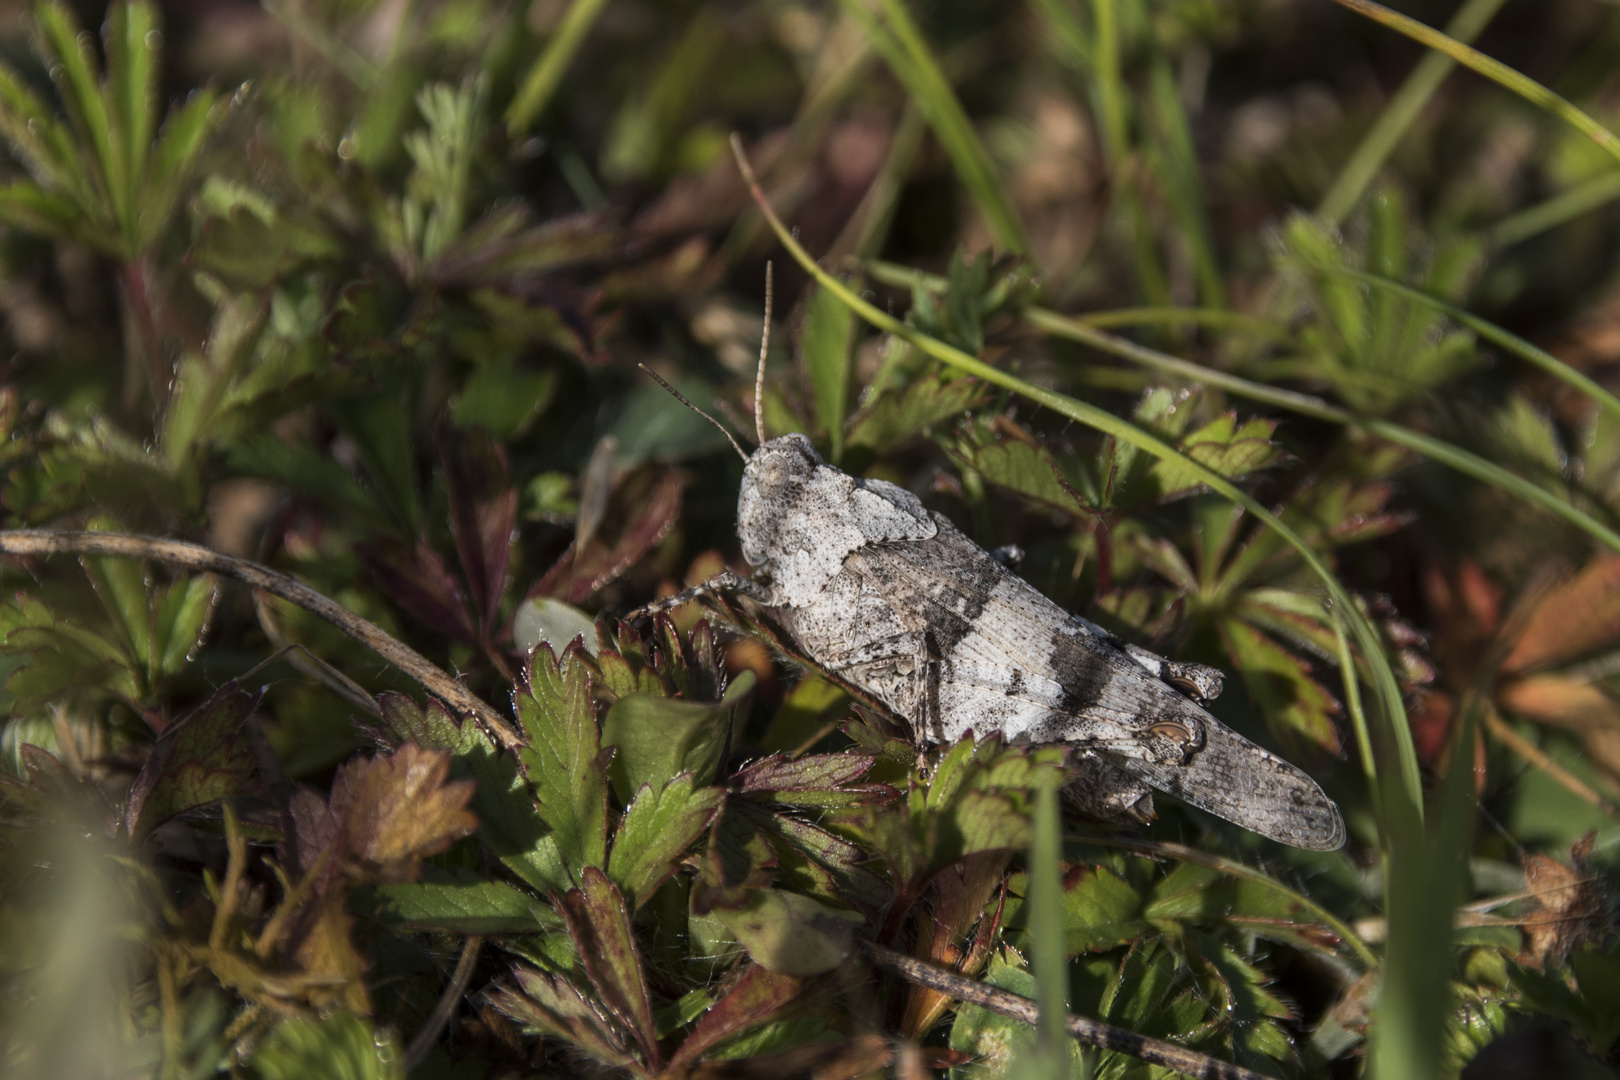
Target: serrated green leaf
657 828
458 903
1027 469
900 414
1100 910
509 819
1226 447
599 922
563 760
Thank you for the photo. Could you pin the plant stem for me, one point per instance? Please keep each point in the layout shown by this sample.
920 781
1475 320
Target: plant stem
43 542
1083 1029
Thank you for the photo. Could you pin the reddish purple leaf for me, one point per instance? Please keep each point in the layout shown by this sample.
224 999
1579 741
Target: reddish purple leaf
643 510
417 580
599 923
207 756
758 997
483 508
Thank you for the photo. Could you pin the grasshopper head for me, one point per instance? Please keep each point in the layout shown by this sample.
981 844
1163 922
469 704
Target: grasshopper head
771 479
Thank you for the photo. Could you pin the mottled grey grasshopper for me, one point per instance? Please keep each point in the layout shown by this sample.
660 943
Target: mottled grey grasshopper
889 597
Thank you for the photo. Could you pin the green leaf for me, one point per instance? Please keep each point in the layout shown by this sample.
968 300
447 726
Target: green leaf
754 999
997 1041
1100 911
564 760
64 658
791 934
655 832
1028 470
509 820
900 414
906 52
342 1046
829 334
458 903
1226 447
659 737
77 83
207 756
131 38
174 159
1297 708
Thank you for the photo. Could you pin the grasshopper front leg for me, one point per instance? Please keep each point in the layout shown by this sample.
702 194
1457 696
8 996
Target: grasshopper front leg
724 582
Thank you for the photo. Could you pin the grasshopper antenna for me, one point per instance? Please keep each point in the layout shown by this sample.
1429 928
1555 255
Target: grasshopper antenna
680 397
759 378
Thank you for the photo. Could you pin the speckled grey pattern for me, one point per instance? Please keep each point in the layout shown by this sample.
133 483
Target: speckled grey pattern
897 600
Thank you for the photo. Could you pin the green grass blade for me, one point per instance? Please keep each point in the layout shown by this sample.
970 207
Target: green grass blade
1396 119
1353 706
1048 947
1402 795
1566 206
1177 164
1494 70
1216 318
1427 870
902 46
542 79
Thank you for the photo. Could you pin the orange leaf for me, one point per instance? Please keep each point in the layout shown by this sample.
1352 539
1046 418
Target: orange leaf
397 809
1575 617
1574 704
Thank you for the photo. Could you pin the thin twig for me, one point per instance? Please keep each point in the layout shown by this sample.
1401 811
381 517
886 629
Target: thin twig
429 1035
44 542
1091 1032
1540 759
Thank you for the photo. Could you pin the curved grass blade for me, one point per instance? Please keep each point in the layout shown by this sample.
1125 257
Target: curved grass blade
1492 69
1403 799
1469 464
1445 453
906 52
1386 133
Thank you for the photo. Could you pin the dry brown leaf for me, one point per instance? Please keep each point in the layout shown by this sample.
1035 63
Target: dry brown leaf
397 809
1568 906
1575 704
326 951
1573 618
